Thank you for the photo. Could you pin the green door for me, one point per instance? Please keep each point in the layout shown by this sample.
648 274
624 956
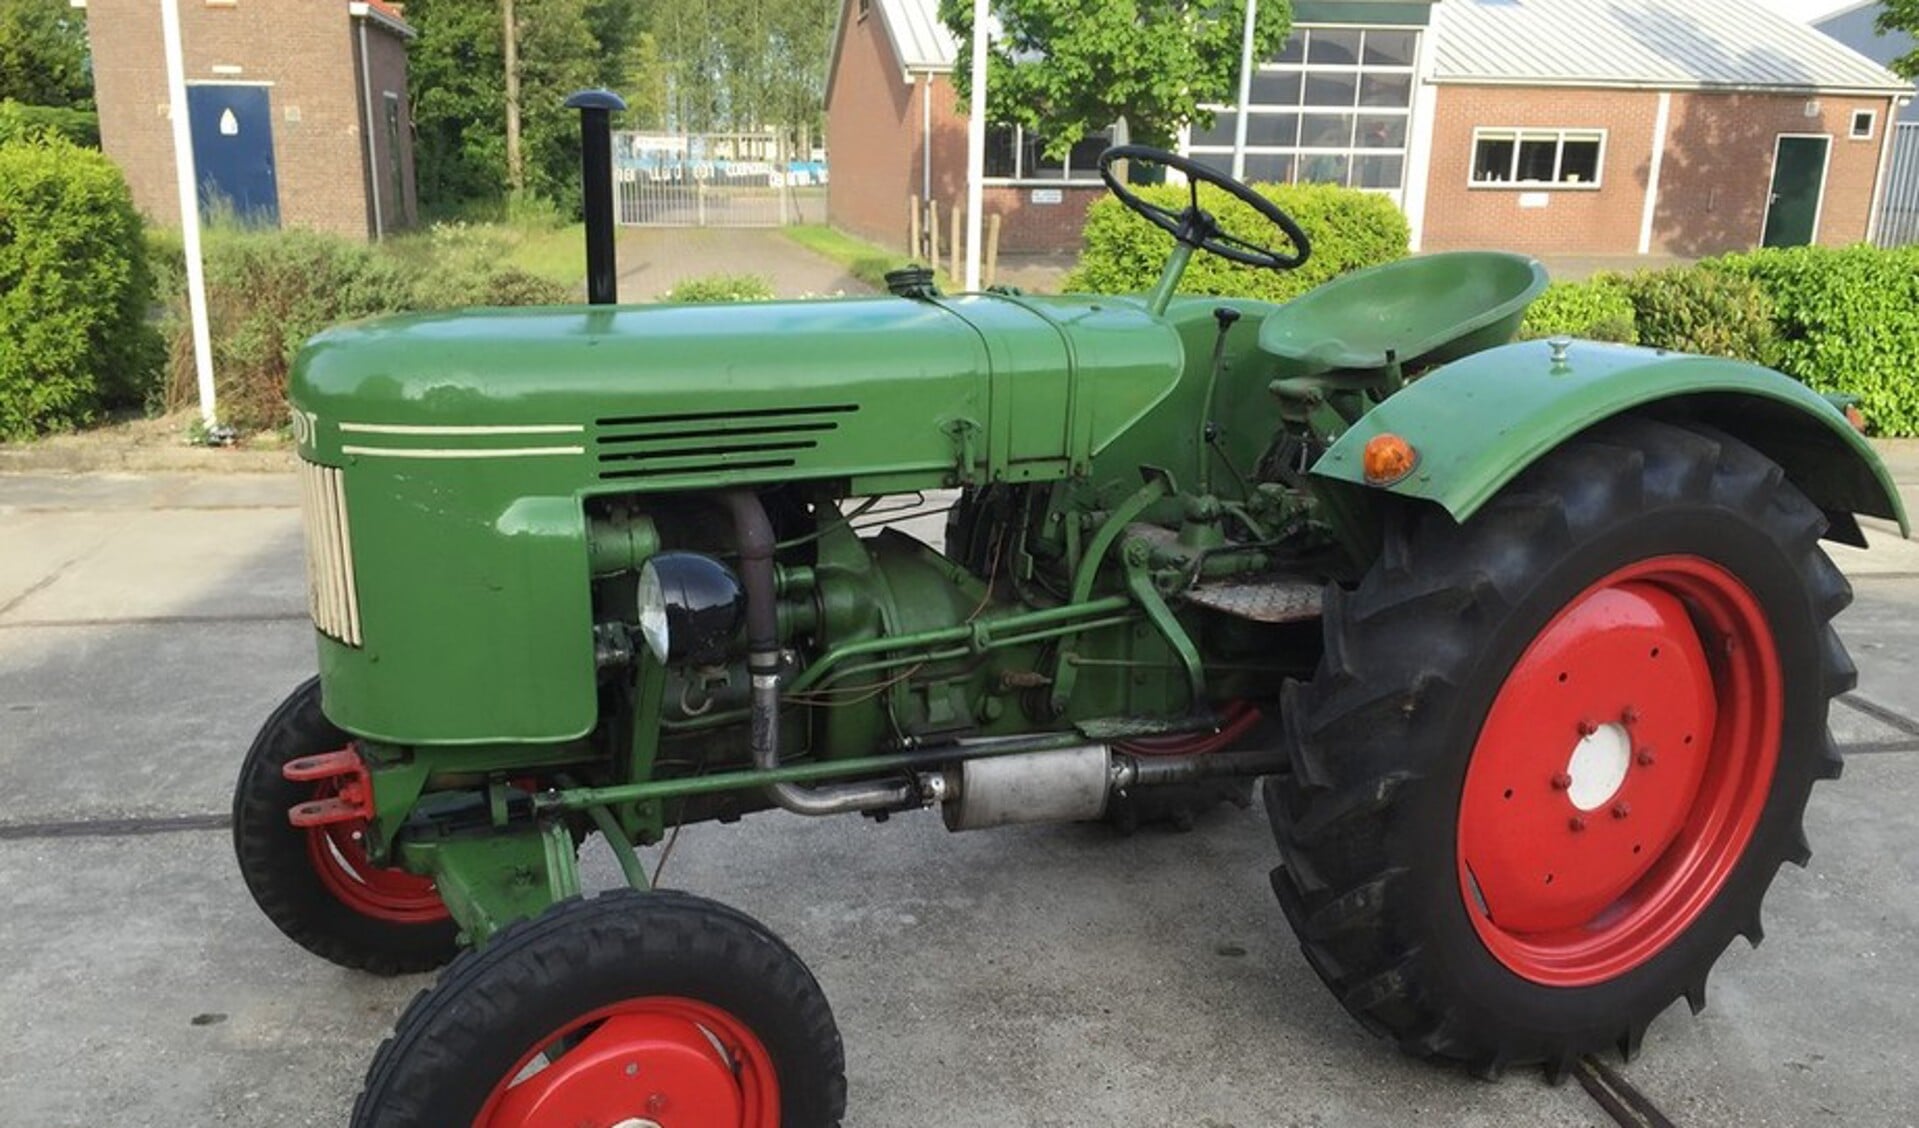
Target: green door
1798 181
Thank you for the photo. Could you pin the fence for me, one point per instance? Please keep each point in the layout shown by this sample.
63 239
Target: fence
714 180
1899 207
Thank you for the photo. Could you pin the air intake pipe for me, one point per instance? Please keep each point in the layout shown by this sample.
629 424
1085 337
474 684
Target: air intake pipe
753 533
596 176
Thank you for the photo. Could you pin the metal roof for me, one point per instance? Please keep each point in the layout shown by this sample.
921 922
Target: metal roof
919 39
1661 44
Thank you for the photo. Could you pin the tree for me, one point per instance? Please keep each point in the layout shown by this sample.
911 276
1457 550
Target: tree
43 54
1067 68
1901 15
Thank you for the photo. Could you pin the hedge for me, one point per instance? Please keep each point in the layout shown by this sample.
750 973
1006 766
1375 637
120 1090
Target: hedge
74 288
1598 309
1702 309
1847 320
1348 229
268 291
20 121
721 288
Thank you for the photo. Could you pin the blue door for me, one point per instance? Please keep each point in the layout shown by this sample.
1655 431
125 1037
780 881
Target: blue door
232 130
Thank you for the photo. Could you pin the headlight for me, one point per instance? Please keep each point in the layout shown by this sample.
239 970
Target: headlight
690 608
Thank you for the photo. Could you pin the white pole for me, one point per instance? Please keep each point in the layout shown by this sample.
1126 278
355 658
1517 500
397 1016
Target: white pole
189 205
1245 91
976 144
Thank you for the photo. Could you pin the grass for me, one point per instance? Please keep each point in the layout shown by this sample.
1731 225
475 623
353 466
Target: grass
865 261
551 250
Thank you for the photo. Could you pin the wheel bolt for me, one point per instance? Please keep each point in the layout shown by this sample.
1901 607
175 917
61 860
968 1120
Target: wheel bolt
1577 822
1645 757
1629 715
1587 728
1562 781
1621 809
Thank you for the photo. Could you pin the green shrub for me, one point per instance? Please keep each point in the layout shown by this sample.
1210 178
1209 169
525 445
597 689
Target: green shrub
74 288
20 122
1597 309
721 288
1703 309
1848 321
1348 229
267 292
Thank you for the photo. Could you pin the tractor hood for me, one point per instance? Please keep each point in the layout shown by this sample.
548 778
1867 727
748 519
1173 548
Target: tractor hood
888 392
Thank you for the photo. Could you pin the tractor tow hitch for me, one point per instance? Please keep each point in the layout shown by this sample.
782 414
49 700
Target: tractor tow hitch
352 801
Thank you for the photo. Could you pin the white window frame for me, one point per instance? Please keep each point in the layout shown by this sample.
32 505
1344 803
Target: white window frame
1358 69
1071 178
1872 125
1522 133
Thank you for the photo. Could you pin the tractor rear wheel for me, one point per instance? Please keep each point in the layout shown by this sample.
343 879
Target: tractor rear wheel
630 1008
316 883
1552 758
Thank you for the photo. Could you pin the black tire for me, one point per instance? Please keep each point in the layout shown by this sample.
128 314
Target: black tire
493 1007
1368 821
279 868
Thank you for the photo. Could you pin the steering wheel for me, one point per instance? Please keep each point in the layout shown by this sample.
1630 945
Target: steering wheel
1194 225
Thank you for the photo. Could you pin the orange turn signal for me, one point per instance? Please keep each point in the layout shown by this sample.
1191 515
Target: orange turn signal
1389 458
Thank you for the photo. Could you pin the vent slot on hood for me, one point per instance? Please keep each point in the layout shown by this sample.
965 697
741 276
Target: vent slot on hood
689 443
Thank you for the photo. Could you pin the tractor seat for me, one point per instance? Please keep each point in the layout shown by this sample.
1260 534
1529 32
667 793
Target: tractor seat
1423 310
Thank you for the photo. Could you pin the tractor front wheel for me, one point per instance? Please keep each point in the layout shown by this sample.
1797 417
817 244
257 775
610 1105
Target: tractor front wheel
1553 758
630 1008
316 883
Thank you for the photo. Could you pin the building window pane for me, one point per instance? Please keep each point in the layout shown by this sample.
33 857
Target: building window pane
1330 89
1001 145
1536 156
1390 48
1334 47
1218 162
1295 49
1268 168
1324 168
1272 129
1035 164
1493 159
1379 172
1326 131
1382 131
1275 88
1579 163
1862 124
1219 133
1084 159
1394 90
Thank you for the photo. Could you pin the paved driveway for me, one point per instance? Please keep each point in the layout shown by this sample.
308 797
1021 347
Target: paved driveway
1032 976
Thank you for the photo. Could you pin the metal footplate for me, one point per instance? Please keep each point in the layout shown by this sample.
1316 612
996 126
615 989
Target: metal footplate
1275 600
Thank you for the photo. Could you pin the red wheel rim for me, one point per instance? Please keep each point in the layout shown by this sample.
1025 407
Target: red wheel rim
676 1062
339 858
1621 772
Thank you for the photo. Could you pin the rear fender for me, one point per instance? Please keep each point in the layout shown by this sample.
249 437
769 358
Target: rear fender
1478 422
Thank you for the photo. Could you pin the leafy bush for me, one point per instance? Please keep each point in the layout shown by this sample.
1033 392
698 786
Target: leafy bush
721 288
1703 309
1597 309
20 121
1847 321
1348 229
74 288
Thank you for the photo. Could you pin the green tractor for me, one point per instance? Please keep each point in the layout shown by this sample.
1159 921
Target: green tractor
1529 647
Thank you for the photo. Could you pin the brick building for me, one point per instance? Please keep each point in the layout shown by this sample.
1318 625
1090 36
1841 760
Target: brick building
1682 127
298 109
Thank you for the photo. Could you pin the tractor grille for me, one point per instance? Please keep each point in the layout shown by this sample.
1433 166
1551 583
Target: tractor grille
673 446
330 592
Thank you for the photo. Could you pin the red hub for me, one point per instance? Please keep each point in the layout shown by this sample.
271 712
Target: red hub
1236 719
1621 772
674 1062
335 822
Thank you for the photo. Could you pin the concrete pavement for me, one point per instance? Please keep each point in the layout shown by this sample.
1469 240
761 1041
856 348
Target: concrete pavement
1030 976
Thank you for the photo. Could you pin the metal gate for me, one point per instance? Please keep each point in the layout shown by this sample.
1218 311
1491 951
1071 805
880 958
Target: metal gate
714 180
1899 208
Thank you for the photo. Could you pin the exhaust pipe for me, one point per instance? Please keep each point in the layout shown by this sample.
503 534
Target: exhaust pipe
596 175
